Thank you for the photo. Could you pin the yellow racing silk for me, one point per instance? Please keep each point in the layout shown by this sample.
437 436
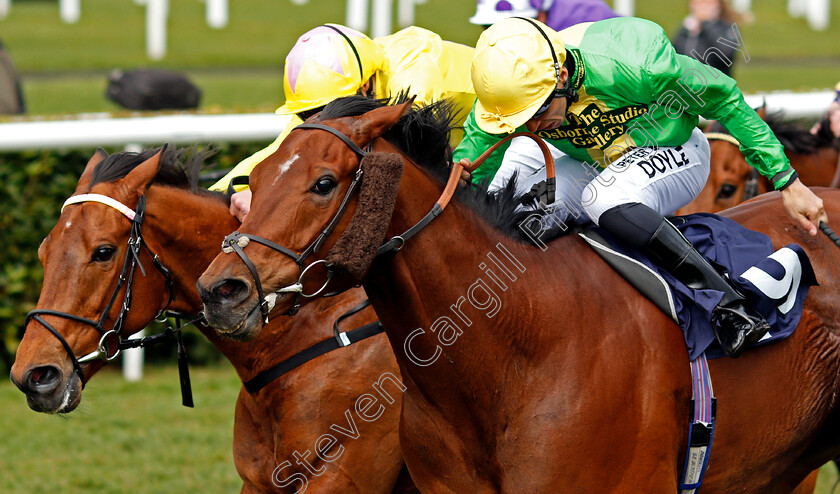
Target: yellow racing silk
416 60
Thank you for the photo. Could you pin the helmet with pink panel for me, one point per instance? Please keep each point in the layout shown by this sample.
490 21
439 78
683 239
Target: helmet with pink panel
327 62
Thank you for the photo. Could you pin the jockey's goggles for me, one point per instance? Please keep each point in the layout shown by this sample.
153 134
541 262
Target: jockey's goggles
544 108
565 92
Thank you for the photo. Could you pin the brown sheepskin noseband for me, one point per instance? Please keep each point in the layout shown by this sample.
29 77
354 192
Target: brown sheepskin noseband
354 251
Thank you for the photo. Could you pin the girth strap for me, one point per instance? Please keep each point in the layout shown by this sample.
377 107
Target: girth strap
702 427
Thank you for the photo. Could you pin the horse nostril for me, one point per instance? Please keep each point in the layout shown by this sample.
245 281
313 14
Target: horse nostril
41 379
230 290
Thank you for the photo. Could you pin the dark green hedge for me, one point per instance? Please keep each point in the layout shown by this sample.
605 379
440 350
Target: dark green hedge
33 187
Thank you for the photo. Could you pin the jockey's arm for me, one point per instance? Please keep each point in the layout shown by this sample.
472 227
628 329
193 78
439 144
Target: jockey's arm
475 142
714 95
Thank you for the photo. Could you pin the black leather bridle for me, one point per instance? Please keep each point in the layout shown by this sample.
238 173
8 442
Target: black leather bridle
111 341
235 241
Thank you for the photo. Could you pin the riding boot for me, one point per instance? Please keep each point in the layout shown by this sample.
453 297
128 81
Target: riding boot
734 324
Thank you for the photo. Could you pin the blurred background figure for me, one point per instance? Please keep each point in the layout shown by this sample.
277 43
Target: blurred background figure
700 30
557 14
11 95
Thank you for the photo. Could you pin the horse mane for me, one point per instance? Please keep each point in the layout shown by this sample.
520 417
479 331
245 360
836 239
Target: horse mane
423 135
794 136
179 168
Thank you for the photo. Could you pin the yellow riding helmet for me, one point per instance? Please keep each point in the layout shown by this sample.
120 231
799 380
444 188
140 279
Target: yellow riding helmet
326 63
514 71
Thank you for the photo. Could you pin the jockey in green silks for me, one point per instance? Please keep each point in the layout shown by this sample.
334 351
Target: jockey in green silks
619 108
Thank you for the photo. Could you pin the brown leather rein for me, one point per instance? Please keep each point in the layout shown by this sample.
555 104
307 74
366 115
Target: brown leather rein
234 242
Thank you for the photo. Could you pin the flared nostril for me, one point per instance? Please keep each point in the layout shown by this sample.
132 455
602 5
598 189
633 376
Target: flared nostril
229 290
41 379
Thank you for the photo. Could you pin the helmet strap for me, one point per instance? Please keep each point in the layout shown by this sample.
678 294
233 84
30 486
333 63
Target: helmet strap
352 47
567 91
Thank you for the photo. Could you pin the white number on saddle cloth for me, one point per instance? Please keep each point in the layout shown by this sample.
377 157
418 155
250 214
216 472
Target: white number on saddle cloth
777 289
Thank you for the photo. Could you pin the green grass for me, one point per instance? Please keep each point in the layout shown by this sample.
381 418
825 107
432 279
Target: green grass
136 437
125 437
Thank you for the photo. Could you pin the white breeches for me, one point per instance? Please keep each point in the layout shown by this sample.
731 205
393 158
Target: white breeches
664 179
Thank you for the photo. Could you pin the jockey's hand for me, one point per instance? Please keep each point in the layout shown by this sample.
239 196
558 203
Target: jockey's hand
466 177
804 206
240 204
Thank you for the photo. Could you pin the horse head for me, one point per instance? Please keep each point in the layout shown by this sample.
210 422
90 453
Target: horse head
95 259
731 179
289 235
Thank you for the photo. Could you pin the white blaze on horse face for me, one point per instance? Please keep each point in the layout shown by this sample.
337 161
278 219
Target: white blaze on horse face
68 225
284 167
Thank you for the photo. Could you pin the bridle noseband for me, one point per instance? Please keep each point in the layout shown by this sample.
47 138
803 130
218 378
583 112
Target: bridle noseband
236 241
107 349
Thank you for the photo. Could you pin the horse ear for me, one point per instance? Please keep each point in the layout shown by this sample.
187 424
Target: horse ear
762 110
141 177
84 180
376 122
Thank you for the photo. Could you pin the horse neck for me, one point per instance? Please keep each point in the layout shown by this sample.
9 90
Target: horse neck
458 250
187 242
817 168
186 230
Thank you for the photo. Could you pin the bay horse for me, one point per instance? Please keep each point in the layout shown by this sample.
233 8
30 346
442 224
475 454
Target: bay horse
184 226
528 369
733 181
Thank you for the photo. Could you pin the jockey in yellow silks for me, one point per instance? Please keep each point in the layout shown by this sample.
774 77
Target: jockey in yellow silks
332 61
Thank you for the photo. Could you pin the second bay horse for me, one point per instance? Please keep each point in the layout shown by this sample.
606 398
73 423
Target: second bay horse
302 430
733 181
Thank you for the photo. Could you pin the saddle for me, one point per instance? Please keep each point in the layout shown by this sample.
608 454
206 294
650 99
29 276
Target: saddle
774 282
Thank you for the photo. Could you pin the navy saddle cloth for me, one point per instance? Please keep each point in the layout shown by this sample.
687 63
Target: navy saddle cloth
774 282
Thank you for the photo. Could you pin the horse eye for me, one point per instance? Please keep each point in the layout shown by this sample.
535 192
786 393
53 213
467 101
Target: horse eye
323 186
103 254
726 191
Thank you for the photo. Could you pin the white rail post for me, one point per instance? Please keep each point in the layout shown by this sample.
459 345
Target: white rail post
381 23
742 5
133 360
217 13
405 13
156 13
797 8
357 14
818 14
5 5
70 10
624 7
